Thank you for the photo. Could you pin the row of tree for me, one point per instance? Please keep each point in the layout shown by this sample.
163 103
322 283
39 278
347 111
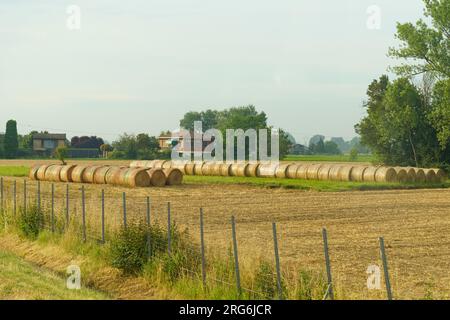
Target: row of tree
408 118
242 117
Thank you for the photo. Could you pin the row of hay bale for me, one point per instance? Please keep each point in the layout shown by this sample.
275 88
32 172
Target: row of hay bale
317 171
113 175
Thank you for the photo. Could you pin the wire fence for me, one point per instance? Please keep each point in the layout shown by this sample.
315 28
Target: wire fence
96 217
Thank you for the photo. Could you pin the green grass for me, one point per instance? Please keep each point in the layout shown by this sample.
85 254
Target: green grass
14 171
335 158
316 185
21 280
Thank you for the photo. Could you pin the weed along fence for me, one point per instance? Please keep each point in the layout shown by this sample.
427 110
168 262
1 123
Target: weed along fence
94 216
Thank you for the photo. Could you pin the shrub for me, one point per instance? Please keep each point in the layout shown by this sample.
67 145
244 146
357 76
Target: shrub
310 285
30 221
266 281
128 249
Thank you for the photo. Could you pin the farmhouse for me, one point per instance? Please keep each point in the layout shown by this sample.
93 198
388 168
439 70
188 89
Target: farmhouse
46 143
169 140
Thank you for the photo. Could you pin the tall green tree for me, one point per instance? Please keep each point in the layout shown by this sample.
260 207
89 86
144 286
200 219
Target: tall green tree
426 48
209 119
11 142
396 127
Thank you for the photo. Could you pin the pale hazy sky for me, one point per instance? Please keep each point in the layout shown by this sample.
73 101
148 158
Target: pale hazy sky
139 65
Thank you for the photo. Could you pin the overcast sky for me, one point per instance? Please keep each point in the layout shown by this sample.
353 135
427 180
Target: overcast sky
139 65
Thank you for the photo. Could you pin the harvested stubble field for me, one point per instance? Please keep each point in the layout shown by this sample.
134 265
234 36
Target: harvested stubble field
415 225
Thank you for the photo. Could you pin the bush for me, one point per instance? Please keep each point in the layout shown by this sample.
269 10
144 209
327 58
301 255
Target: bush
30 222
354 154
128 249
266 281
310 286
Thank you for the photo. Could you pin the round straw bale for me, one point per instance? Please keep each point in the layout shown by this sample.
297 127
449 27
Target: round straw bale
207 168
251 170
385 174
189 168
334 172
157 177
167 165
40 175
402 174
440 174
345 173
173 176
100 175
136 164
198 167
357 173
158 164
291 171
302 171
324 172
410 174
53 173
420 175
33 172
119 177
313 171
282 170
112 175
136 177
215 171
430 175
66 173
225 169
88 174
369 174
77 173
180 165
267 170
234 169
241 168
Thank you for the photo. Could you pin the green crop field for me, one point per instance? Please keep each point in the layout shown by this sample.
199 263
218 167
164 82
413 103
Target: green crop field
14 171
21 280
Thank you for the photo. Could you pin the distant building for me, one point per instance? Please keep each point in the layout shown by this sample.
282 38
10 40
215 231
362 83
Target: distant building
168 141
46 143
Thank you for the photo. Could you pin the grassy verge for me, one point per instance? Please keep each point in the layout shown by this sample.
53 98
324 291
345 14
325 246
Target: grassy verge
22 280
135 263
316 185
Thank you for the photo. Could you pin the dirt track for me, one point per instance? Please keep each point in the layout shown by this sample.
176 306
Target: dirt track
414 223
